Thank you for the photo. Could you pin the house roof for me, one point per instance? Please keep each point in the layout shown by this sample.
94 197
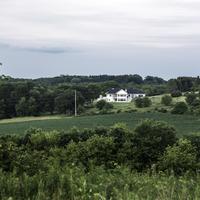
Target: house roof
129 91
113 90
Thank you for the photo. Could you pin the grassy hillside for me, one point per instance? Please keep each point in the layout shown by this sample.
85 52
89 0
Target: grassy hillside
156 103
184 124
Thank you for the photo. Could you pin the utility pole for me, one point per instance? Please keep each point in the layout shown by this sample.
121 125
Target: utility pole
75 105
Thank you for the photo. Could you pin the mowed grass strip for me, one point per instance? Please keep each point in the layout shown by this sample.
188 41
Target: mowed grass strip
184 124
27 119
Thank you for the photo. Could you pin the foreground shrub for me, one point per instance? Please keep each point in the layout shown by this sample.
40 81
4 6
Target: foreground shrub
120 133
180 108
97 150
195 141
149 142
180 157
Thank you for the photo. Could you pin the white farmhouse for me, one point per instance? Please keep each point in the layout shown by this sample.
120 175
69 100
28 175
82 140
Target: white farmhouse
121 95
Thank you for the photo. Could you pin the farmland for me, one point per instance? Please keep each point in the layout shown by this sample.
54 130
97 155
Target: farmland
145 160
184 124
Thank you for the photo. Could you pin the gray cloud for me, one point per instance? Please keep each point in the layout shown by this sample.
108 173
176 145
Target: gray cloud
48 37
51 50
38 23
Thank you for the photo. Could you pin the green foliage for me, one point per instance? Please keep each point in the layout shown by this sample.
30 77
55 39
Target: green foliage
195 141
100 104
166 100
108 106
33 107
142 102
183 84
138 102
22 107
2 109
190 98
176 93
162 110
42 94
180 108
73 183
76 80
97 150
149 142
146 102
196 103
65 103
100 163
120 133
180 157
103 105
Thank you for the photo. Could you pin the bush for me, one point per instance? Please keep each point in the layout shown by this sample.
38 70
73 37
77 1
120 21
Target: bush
120 133
195 110
196 103
180 157
190 98
138 102
96 150
180 108
108 106
195 141
162 110
100 104
146 102
149 142
103 105
142 102
166 100
176 93
119 111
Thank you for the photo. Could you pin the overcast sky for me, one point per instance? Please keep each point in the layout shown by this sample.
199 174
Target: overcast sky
51 37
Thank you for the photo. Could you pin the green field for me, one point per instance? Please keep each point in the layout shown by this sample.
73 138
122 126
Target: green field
185 124
156 103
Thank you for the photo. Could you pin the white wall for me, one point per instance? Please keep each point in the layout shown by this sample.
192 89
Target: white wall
120 96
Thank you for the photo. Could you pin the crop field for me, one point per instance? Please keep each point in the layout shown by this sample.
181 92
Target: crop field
184 124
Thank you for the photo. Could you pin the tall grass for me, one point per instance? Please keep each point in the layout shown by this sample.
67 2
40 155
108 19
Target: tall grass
74 184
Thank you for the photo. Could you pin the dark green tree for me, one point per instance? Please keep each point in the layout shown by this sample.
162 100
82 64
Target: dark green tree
100 104
180 108
65 103
190 98
180 157
22 107
149 143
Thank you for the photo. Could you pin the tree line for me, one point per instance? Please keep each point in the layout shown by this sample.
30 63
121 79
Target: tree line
21 97
29 99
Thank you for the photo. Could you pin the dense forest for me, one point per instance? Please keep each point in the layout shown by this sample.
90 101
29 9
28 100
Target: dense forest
26 97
